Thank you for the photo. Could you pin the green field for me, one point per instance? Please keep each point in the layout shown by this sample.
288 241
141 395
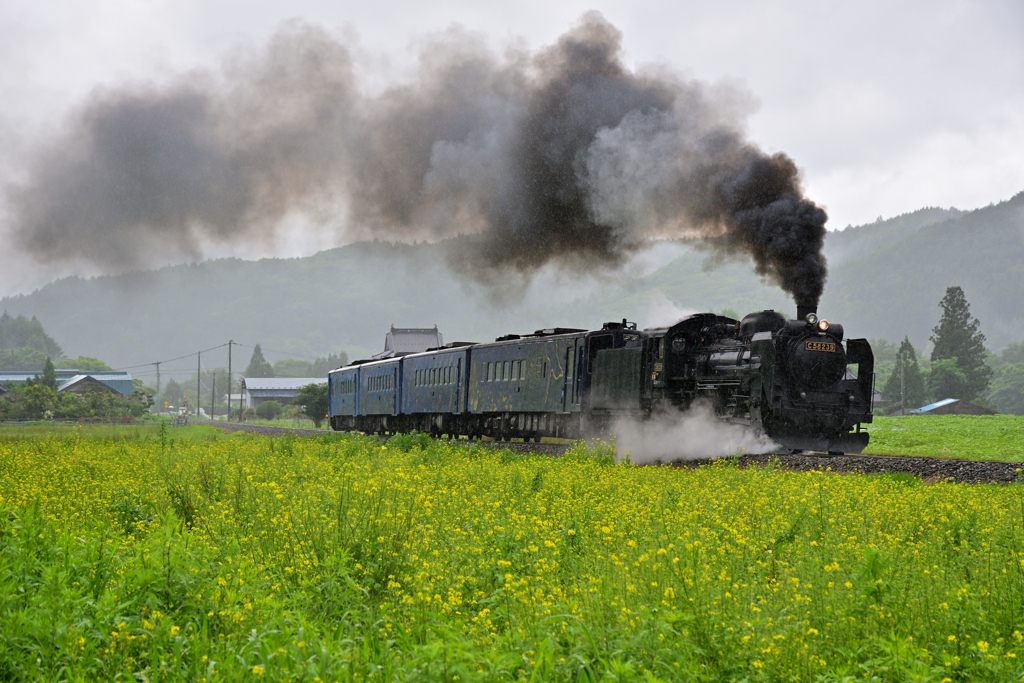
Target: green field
975 437
170 555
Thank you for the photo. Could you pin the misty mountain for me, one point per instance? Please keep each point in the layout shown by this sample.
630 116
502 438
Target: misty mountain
854 243
885 280
894 290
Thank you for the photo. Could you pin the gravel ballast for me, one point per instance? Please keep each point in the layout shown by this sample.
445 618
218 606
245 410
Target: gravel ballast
931 470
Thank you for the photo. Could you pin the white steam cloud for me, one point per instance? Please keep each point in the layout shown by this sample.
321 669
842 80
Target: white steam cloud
693 435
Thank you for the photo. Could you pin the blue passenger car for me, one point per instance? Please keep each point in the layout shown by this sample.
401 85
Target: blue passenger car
435 382
379 387
342 391
529 375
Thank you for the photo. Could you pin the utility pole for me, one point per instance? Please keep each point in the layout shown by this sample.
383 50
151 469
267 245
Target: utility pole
213 395
230 342
157 364
199 370
903 388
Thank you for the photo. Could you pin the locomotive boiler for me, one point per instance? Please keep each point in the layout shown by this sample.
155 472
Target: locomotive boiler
796 381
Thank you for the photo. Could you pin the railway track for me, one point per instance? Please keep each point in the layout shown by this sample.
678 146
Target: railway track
930 470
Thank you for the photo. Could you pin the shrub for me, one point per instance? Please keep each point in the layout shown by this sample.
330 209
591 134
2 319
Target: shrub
268 410
313 399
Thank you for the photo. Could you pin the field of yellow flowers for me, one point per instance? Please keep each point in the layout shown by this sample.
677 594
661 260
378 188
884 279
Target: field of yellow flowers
164 555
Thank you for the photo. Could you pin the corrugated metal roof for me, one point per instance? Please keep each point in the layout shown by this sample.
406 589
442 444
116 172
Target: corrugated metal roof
78 379
22 375
118 380
933 406
279 383
61 385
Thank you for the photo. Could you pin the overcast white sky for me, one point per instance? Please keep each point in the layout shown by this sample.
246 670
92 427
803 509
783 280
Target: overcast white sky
886 106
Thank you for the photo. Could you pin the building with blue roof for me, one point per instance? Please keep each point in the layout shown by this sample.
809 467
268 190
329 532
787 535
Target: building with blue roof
77 381
952 406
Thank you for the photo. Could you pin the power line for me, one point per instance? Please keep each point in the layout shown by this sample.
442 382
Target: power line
198 354
171 360
290 354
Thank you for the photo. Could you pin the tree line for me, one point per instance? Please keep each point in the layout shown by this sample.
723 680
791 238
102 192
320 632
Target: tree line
38 399
959 365
26 346
259 366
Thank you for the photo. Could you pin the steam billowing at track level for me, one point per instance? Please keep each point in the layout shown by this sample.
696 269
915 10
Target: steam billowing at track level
561 155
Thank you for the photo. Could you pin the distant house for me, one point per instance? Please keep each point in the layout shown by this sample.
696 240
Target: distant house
401 341
952 406
84 384
76 381
256 390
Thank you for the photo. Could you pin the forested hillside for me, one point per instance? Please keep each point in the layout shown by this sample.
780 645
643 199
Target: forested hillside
885 281
894 290
338 300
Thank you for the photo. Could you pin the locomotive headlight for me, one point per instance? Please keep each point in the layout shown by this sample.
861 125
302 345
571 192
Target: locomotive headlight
811 319
823 325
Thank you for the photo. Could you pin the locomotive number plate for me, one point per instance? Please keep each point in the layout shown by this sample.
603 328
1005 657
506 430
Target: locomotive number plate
830 347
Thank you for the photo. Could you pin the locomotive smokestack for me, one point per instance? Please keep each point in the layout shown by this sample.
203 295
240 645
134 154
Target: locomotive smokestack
802 311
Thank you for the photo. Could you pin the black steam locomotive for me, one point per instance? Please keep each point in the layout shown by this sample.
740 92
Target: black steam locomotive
793 380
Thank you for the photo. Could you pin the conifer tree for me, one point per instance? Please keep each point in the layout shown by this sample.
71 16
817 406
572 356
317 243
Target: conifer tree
173 393
905 385
957 337
49 378
258 365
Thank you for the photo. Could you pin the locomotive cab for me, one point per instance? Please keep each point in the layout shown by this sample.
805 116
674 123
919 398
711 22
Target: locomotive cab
609 372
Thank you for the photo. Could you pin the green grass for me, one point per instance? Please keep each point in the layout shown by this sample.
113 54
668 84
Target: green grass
972 437
300 422
42 430
341 557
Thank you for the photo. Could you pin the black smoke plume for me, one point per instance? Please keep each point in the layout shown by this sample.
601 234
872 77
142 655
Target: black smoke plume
563 155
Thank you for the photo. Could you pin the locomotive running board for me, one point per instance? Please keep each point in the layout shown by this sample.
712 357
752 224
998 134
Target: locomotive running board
844 443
